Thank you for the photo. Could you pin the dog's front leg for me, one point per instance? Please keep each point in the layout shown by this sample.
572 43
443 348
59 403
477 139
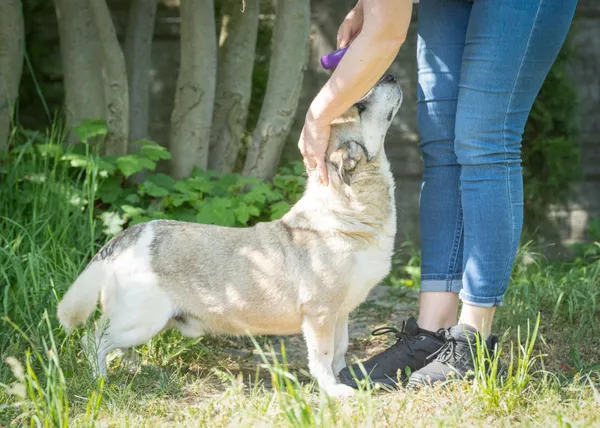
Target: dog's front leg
340 343
319 332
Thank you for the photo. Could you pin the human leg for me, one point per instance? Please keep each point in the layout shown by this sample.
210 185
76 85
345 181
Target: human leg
510 47
441 38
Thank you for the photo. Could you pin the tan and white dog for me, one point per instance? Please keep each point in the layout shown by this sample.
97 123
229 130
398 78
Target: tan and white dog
303 273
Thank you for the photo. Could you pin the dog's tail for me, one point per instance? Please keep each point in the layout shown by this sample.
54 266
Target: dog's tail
80 301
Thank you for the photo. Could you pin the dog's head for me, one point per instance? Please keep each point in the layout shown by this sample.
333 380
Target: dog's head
358 135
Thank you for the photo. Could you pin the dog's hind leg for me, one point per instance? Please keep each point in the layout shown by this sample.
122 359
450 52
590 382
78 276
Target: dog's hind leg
319 332
96 350
134 318
105 347
340 343
138 323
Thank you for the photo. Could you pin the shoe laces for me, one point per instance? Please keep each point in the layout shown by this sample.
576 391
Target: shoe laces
401 335
450 351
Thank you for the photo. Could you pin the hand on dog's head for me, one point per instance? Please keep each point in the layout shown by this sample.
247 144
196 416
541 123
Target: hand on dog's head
358 135
346 158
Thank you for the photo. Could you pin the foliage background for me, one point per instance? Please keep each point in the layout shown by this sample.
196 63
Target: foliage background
551 152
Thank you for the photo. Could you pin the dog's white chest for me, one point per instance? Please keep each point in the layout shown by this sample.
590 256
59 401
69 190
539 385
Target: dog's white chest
370 266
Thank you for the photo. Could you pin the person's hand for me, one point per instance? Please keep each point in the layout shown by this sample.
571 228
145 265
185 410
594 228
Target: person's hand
313 145
351 26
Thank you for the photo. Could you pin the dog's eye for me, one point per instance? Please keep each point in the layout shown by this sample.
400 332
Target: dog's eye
360 107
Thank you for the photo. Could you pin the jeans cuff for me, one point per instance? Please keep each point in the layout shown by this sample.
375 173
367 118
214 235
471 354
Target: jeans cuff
452 283
484 302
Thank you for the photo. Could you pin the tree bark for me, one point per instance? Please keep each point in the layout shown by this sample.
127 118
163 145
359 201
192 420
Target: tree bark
192 114
234 82
79 47
114 80
138 55
12 43
286 70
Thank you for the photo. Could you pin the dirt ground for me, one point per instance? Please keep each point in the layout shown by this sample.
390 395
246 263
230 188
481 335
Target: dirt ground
385 306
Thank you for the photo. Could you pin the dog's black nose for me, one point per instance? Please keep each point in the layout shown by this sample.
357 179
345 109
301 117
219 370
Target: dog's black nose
388 78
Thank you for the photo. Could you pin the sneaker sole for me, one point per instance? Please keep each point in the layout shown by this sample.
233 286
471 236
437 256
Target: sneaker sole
385 383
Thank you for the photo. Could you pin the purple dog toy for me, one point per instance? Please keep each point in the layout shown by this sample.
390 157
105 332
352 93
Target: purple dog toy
331 60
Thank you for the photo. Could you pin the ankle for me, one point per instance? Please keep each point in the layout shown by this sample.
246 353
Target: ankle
479 318
437 310
434 324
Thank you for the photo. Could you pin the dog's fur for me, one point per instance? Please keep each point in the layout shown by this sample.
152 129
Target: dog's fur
303 273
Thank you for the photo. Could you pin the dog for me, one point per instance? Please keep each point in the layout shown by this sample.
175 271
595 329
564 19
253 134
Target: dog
303 273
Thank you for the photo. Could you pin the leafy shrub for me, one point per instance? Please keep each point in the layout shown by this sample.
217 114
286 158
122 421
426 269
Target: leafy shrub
551 157
203 197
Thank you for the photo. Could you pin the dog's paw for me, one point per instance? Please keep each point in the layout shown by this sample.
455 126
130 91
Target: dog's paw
340 390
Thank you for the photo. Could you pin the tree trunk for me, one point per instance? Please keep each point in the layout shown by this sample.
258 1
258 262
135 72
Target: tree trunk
192 114
234 82
138 55
12 41
114 80
79 47
286 70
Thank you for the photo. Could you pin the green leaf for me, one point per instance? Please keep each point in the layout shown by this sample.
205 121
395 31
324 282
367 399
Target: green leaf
139 219
242 217
110 190
231 182
216 211
289 182
152 189
201 184
279 209
154 151
182 193
133 198
185 214
132 164
159 215
243 213
148 164
163 180
178 199
206 216
131 211
299 168
222 203
261 193
183 187
76 160
108 164
90 128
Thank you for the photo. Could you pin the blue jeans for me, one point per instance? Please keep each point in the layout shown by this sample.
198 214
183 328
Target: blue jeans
480 66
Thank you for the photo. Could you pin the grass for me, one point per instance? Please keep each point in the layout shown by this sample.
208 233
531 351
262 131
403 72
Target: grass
550 324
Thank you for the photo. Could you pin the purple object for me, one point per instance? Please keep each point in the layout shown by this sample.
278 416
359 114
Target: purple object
331 60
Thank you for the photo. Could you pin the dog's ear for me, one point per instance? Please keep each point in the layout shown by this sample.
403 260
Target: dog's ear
346 157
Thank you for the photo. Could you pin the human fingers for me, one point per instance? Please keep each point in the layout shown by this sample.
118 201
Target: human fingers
322 166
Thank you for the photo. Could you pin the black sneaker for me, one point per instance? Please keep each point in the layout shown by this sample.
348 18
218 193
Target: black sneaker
454 360
411 350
